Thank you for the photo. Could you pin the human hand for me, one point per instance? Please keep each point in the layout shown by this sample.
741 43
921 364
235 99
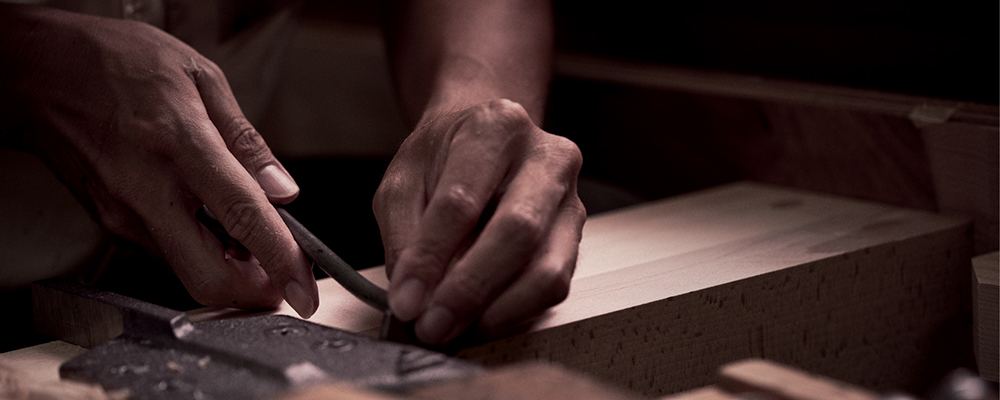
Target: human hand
480 220
145 131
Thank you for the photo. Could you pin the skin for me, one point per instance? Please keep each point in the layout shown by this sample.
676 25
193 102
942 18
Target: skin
478 210
144 131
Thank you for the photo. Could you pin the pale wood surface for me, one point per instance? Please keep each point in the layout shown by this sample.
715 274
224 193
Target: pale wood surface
41 363
773 381
518 382
526 381
853 290
33 373
986 313
667 292
705 393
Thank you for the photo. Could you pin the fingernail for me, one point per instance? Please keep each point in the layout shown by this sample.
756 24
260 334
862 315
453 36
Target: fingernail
276 183
434 325
407 302
301 302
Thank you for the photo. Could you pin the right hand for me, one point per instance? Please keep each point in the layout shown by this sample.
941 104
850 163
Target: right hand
145 131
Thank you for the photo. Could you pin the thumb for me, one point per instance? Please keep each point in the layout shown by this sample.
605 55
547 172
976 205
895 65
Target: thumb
243 141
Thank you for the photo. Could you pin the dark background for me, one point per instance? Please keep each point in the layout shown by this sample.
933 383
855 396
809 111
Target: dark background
928 48
934 49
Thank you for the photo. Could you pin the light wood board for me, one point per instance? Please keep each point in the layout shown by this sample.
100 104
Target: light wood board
764 379
667 292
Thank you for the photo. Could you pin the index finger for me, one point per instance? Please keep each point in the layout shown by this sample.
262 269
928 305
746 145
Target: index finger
239 200
239 203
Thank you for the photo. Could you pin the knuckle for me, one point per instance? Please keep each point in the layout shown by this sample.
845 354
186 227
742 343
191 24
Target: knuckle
577 210
242 219
120 224
249 227
388 192
460 202
569 151
205 292
391 254
380 203
203 69
424 263
523 224
431 261
159 134
245 142
561 154
506 115
468 293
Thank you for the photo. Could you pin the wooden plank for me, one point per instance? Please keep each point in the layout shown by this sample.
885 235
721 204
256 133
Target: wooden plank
986 313
518 382
761 378
667 292
853 290
40 363
526 381
33 373
705 393
74 319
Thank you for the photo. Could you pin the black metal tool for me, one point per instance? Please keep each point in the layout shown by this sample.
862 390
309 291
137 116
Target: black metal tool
162 355
329 262
333 265
318 253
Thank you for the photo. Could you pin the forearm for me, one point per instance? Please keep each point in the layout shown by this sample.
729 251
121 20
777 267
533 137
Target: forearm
447 55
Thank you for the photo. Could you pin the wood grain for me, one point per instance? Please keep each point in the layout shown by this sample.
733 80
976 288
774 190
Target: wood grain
667 292
71 318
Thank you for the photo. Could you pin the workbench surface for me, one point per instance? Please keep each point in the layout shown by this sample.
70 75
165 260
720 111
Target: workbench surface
668 291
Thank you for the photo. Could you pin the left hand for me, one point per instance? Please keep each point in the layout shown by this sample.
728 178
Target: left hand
480 220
